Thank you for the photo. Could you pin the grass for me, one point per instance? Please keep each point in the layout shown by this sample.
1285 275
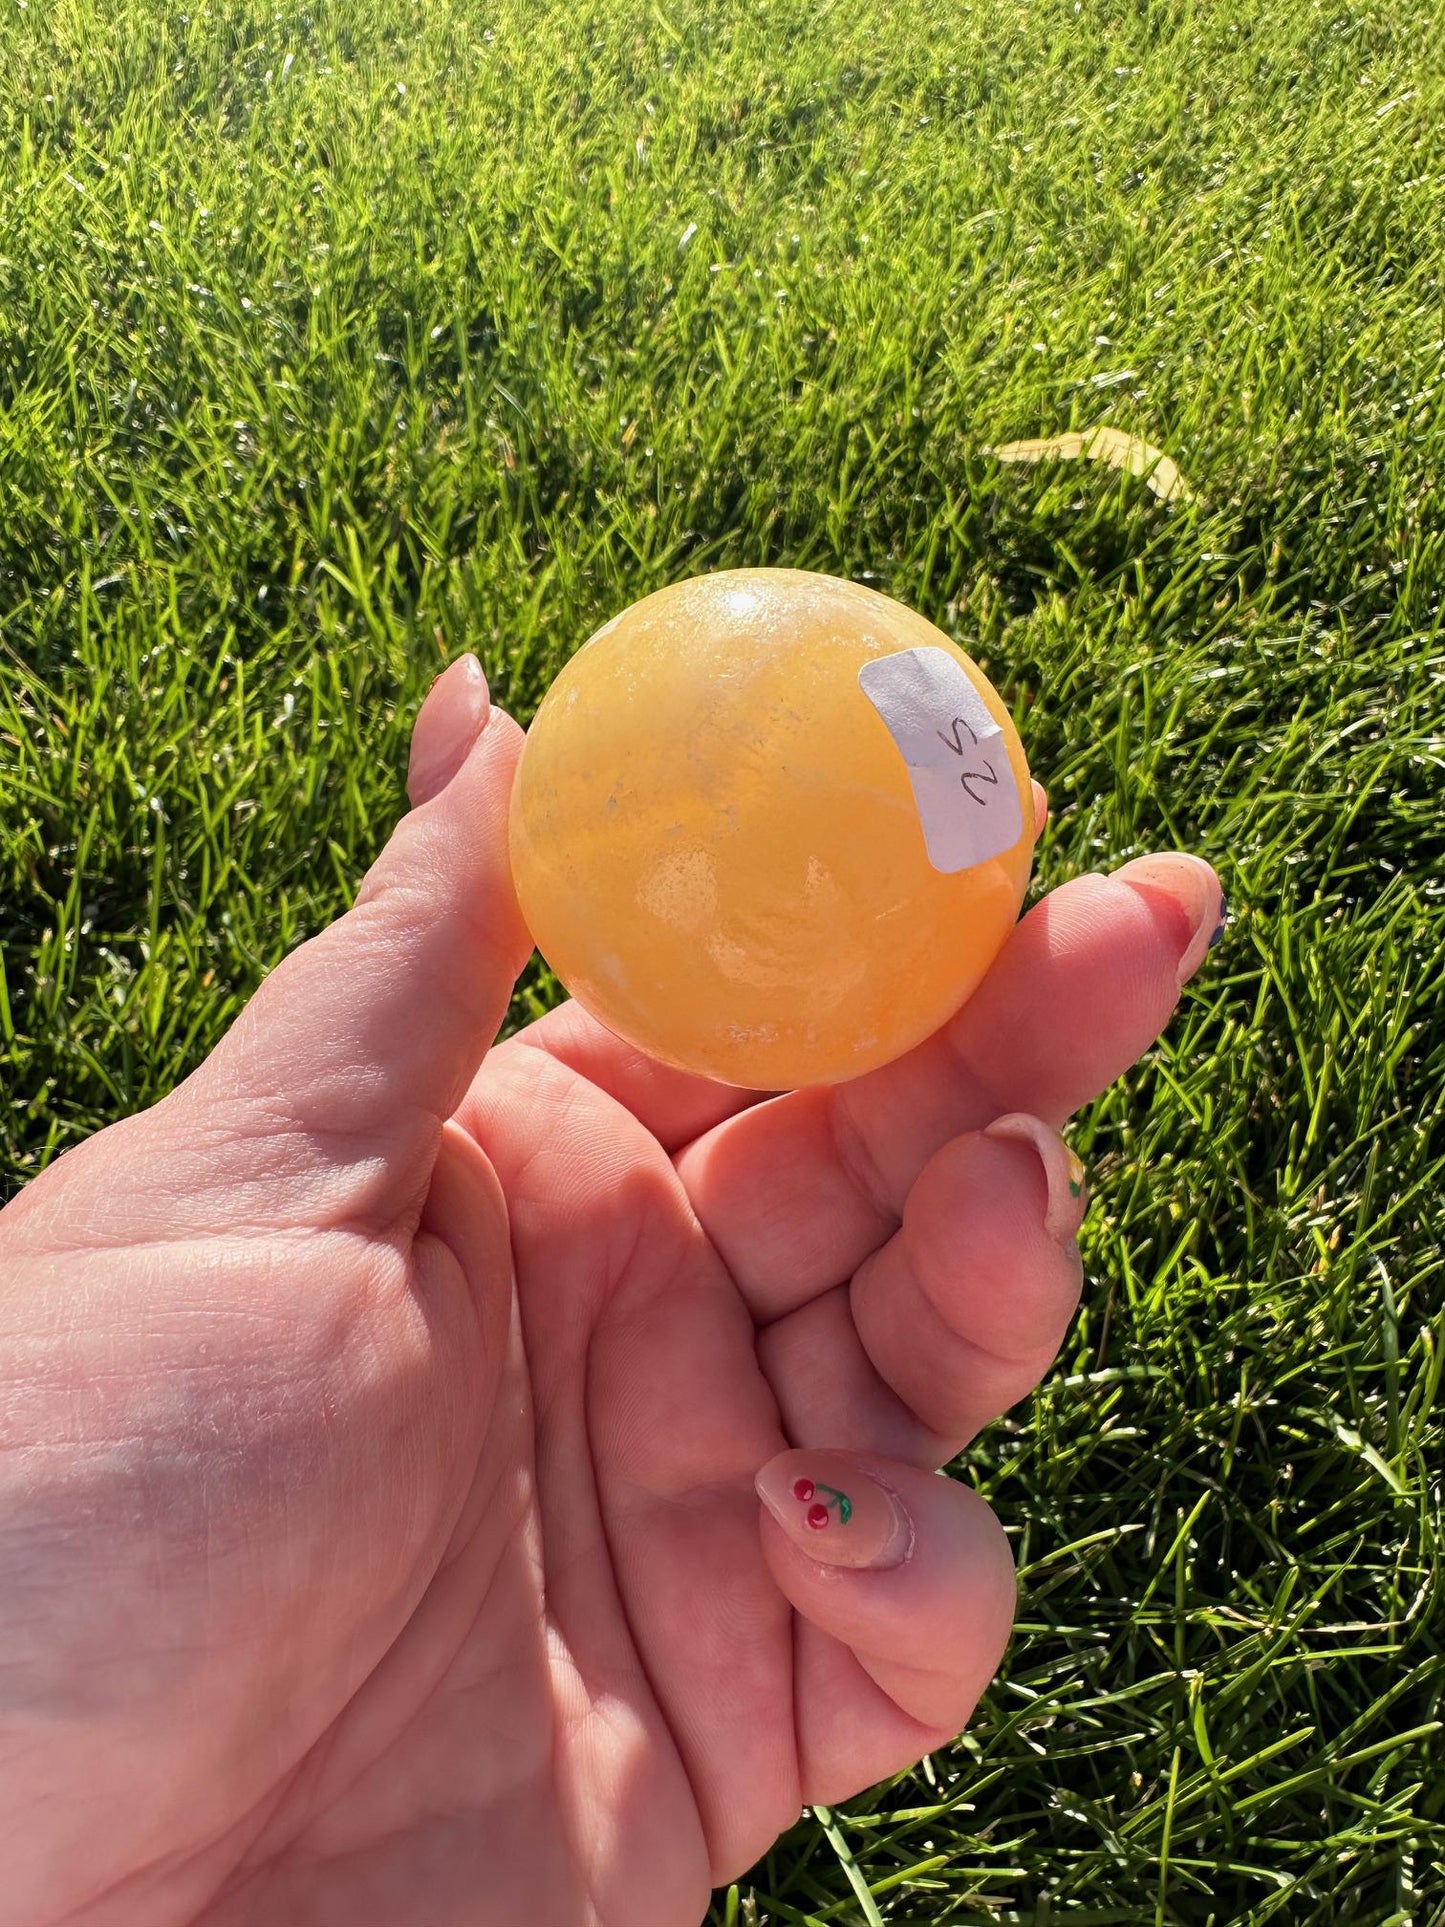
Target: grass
337 338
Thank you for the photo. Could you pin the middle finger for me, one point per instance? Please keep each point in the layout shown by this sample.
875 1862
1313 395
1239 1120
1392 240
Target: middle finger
955 1319
796 1193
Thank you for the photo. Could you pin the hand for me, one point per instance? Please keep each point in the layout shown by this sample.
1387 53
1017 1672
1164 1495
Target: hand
378 1533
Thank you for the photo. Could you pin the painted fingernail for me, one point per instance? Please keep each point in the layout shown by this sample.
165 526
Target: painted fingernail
835 1512
1223 924
1063 1173
1188 887
449 722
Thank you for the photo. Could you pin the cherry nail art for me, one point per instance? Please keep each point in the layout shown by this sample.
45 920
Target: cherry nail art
879 1531
820 1511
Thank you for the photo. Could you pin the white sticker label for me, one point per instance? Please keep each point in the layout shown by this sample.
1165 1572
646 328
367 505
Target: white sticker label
963 784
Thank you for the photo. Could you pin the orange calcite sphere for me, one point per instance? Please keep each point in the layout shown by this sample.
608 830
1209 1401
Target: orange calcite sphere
771 827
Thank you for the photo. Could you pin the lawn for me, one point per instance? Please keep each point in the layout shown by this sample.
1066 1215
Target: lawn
338 338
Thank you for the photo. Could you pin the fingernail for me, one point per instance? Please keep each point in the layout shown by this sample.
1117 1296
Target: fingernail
1063 1173
449 722
835 1512
1188 886
1223 924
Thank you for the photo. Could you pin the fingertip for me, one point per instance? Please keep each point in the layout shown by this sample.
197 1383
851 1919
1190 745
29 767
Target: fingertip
837 1510
1063 1172
1185 892
931 1625
1087 981
1041 808
403 996
452 717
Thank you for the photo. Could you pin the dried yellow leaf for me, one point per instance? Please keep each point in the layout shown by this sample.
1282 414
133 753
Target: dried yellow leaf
1157 470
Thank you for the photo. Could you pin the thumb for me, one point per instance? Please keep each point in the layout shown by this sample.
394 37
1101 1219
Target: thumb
898 1574
366 1038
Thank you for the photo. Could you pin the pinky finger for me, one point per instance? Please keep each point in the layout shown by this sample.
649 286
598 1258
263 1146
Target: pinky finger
1041 808
904 1586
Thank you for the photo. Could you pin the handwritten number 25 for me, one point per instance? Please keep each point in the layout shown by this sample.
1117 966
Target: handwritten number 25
968 777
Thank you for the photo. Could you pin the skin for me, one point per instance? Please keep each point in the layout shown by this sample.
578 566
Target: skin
380 1415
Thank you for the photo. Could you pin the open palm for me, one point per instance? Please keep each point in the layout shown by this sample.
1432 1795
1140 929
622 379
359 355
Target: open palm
380 1540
